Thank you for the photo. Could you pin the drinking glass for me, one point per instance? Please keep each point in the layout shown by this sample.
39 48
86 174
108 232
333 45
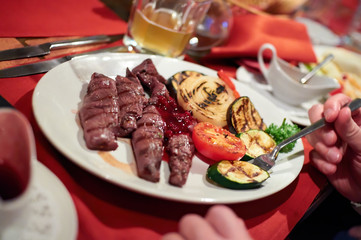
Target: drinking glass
164 27
213 30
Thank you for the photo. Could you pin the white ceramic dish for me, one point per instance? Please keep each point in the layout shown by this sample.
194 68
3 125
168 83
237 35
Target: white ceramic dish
56 100
52 212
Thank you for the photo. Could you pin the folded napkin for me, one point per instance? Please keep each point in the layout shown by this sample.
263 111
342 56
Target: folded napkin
47 18
250 31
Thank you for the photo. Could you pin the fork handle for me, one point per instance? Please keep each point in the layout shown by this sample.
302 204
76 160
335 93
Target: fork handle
355 104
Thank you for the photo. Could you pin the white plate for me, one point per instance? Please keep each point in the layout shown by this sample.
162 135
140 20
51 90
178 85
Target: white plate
52 214
59 93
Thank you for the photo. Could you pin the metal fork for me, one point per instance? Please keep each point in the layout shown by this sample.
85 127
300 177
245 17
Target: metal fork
267 161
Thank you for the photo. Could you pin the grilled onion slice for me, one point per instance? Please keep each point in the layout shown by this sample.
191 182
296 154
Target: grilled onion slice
207 97
176 79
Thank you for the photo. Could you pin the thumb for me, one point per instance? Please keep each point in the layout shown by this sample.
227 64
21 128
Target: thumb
348 130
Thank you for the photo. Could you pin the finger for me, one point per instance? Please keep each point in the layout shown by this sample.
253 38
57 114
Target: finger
172 236
192 226
321 164
355 232
315 114
227 223
333 105
348 130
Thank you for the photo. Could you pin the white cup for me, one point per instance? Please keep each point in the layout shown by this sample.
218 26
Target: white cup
284 80
17 155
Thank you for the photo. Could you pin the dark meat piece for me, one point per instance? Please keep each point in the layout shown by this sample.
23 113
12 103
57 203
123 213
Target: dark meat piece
147 73
181 150
131 99
158 89
179 146
99 113
147 143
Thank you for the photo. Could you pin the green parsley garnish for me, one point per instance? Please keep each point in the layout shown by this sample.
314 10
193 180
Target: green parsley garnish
283 132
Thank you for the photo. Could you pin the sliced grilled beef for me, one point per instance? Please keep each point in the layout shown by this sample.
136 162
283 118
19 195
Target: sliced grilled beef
147 73
131 99
180 149
99 113
147 143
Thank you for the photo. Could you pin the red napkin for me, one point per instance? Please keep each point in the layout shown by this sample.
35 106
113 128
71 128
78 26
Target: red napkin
249 32
48 18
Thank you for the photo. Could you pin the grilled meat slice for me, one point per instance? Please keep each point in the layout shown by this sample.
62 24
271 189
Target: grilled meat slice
147 73
147 143
131 99
180 149
99 113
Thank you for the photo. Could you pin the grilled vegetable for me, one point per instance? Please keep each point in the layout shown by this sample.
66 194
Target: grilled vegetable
257 143
207 97
173 81
217 143
237 174
280 133
222 75
243 116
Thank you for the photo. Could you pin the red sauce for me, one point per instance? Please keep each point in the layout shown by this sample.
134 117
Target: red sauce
177 119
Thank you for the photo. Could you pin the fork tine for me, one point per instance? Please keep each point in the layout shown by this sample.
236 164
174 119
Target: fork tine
263 162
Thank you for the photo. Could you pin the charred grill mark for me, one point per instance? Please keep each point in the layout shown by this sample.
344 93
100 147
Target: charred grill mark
183 96
220 89
236 168
200 85
202 105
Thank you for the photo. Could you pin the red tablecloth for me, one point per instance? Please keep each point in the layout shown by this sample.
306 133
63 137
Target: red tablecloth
106 211
47 18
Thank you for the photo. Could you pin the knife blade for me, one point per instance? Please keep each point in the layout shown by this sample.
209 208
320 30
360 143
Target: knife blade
44 49
44 66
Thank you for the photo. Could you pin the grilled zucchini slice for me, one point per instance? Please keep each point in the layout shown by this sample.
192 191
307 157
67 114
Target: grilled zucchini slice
173 81
236 174
257 143
207 97
243 116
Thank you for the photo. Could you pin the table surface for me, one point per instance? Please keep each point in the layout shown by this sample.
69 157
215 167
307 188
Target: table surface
116 212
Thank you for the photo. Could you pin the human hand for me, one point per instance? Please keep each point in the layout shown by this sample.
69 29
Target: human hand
337 146
220 223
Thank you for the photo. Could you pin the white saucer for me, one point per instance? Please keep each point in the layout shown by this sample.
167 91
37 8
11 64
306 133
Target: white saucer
297 114
52 212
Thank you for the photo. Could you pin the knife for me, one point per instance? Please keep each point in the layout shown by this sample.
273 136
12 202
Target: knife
43 49
44 66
